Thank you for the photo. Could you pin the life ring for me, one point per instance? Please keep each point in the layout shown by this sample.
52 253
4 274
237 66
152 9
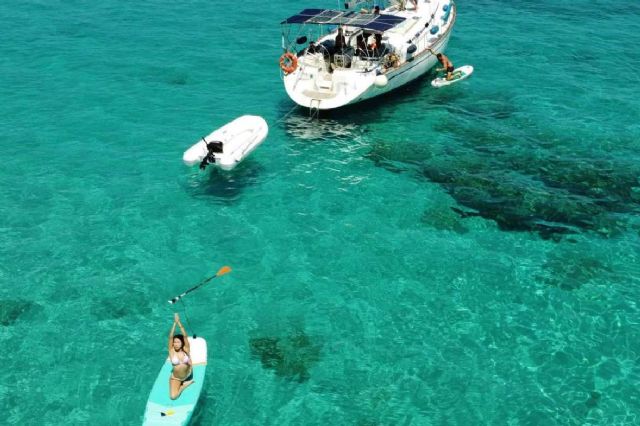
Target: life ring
288 62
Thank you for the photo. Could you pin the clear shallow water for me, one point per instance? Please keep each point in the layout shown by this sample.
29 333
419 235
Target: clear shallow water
460 256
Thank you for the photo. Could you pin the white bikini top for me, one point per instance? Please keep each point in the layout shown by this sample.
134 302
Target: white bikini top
175 360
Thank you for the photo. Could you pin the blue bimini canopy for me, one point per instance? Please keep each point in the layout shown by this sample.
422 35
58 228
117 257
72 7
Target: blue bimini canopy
368 21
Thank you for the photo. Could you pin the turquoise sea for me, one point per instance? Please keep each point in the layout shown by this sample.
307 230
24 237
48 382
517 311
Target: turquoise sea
461 256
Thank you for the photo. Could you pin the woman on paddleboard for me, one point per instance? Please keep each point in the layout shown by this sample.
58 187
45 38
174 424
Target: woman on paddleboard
181 375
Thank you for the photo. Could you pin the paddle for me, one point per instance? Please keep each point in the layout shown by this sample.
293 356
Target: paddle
222 271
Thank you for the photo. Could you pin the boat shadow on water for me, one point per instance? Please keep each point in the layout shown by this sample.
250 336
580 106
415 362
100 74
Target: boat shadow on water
301 126
225 186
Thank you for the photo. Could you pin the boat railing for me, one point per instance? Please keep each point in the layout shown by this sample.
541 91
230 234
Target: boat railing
315 60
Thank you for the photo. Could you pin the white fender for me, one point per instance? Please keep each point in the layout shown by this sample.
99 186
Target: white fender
381 80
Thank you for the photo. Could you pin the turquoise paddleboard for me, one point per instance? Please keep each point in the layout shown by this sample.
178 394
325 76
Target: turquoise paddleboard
161 409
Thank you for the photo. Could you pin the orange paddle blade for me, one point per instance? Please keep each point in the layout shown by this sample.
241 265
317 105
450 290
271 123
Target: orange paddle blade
223 270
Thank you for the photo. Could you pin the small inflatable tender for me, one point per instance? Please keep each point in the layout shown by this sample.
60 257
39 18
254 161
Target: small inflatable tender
458 74
228 145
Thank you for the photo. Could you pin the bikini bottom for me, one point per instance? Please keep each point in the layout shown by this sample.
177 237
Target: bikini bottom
189 377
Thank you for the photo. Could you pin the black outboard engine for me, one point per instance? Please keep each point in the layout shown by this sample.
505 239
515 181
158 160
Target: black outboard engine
213 148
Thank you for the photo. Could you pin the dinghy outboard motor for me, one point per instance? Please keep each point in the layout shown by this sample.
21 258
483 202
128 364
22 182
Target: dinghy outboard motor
213 148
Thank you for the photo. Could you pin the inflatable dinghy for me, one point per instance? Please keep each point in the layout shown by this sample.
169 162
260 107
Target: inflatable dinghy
228 145
459 74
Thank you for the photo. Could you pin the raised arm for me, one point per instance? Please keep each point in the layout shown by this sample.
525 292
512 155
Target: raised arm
173 329
187 347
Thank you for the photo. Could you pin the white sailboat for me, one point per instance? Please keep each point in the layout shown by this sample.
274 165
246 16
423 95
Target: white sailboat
382 49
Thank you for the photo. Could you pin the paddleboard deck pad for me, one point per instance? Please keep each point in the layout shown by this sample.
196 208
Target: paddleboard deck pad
459 74
161 409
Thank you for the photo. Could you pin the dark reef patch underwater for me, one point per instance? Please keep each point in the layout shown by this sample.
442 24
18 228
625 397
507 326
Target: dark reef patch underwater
12 310
567 271
522 177
290 357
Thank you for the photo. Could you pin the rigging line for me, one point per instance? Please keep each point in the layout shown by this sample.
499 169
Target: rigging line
284 117
435 11
314 113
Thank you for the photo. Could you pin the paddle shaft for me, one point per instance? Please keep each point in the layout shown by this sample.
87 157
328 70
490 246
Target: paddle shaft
222 271
175 299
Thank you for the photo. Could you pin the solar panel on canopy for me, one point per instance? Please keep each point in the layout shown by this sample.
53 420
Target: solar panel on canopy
360 19
335 17
326 16
303 16
385 22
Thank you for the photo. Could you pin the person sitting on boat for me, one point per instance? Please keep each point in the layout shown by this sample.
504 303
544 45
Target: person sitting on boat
415 3
182 371
361 45
375 10
338 49
312 47
341 42
376 45
447 65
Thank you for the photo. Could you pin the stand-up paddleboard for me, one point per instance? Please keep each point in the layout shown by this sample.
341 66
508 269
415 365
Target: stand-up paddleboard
459 74
161 409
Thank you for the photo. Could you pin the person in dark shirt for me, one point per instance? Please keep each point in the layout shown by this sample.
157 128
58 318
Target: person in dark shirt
312 48
361 45
338 48
341 41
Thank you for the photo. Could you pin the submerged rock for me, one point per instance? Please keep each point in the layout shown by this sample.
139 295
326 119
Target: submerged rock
524 180
290 357
11 310
570 272
594 398
121 306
